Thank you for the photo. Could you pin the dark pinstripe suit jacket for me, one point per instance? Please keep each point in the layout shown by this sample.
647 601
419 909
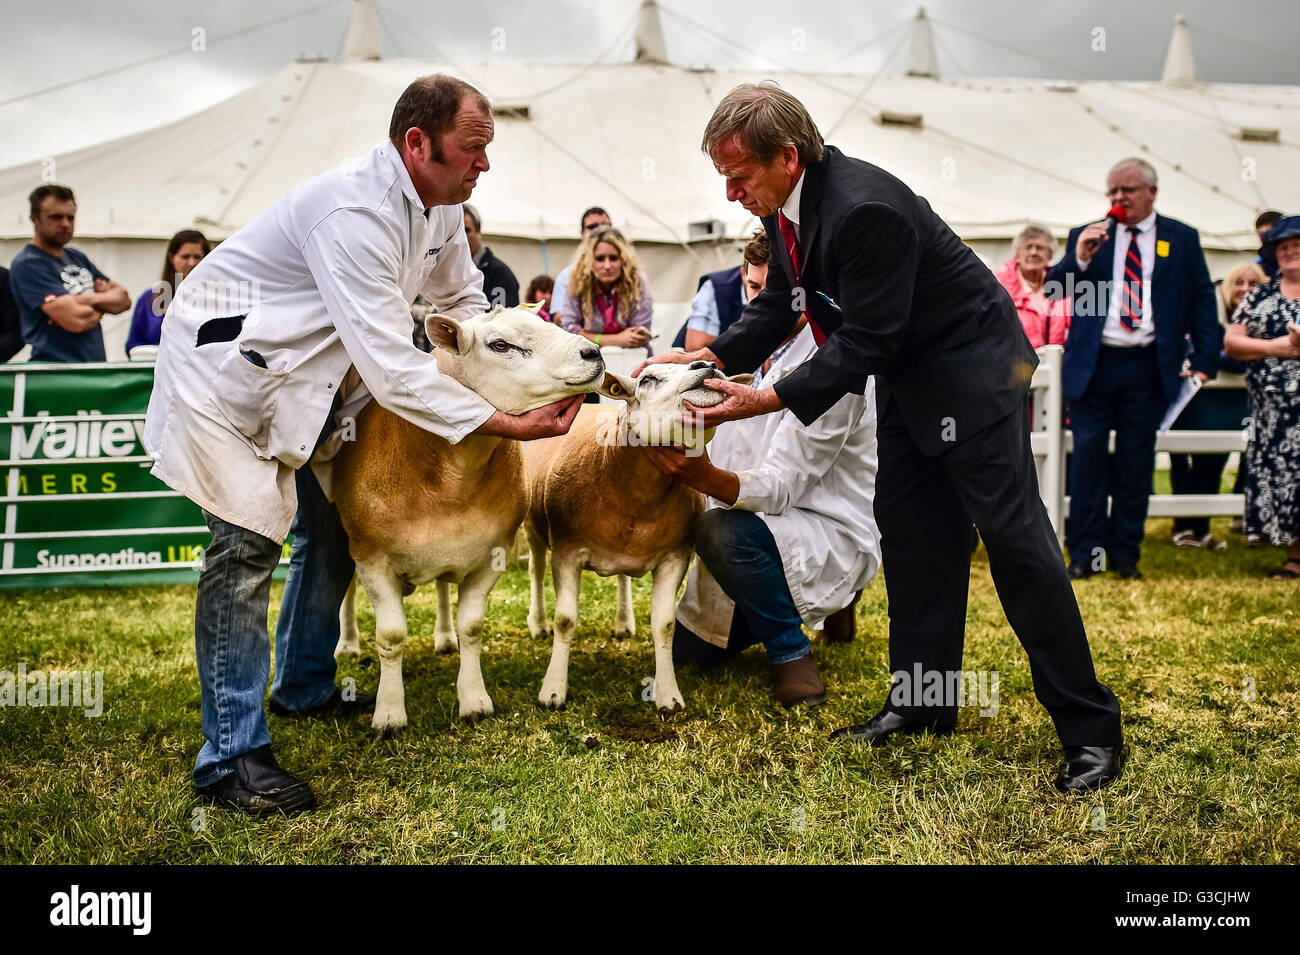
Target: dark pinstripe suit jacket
909 303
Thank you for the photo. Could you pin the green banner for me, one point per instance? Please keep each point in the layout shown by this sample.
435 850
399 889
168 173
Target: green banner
80 506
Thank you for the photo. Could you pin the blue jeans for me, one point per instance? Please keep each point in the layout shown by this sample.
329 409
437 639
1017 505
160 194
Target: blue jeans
320 569
741 554
232 644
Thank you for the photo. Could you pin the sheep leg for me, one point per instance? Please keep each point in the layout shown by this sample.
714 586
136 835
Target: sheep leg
385 592
444 628
624 621
536 583
668 577
567 574
349 644
475 703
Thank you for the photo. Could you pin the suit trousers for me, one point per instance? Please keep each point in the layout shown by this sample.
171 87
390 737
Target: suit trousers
1125 395
924 507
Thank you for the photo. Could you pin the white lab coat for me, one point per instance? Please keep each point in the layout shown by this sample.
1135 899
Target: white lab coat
813 486
326 277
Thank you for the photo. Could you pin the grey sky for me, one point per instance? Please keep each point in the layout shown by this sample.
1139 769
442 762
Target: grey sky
1253 41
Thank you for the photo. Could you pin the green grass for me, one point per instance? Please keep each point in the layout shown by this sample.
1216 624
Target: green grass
1212 778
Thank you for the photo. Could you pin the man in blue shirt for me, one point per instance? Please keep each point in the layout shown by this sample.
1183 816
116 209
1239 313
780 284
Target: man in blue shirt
61 296
722 296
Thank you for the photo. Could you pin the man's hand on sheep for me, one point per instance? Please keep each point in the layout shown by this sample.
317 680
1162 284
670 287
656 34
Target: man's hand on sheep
692 467
742 401
544 422
678 358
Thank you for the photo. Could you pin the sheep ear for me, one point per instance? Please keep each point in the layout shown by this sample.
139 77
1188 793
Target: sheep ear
619 387
445 332
531 306
745 379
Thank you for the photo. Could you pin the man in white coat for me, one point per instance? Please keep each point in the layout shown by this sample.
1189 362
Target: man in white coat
789 538
255 350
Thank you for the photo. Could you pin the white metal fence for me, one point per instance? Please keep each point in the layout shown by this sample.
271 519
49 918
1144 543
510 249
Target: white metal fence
1051 442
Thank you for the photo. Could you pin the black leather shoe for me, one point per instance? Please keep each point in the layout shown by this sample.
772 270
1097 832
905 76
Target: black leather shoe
884 725
1129 573
1090 767
334 706
259 786
1080 571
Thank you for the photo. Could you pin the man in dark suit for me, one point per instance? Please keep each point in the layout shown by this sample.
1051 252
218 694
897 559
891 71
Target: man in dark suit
892 292
1139 291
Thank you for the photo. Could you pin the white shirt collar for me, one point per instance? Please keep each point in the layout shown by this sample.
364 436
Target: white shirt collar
389 151
1145 224
791 207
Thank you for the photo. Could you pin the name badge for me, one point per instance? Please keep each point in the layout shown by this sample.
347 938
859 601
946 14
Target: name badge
1162 248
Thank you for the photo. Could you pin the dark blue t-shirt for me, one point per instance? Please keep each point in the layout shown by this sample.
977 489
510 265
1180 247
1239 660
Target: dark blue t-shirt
37 277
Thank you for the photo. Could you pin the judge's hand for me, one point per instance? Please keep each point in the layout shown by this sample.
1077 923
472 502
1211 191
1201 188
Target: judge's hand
1187 373
544 422
678 358
1293 333
742 401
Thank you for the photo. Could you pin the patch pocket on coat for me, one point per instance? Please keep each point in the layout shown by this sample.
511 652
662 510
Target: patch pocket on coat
246 396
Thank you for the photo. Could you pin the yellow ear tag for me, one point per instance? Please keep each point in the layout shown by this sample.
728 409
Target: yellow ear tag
1162 248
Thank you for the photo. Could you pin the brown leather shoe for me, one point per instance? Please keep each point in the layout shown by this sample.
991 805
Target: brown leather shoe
797 682
842 626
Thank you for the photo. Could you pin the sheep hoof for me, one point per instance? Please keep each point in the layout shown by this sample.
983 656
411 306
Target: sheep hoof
671 706
474 711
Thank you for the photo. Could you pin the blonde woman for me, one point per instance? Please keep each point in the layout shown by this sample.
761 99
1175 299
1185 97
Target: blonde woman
608 300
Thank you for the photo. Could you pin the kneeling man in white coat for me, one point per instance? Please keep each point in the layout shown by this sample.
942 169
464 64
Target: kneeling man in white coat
789 537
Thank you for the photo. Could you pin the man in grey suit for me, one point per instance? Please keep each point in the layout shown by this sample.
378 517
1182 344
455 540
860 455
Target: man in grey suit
890 291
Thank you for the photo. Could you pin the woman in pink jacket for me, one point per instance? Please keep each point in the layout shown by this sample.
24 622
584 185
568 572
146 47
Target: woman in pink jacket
1045 321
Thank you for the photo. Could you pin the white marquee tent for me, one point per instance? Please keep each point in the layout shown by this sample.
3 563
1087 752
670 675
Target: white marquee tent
989 155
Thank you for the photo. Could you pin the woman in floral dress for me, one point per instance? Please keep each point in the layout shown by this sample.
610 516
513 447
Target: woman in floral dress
1265 334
